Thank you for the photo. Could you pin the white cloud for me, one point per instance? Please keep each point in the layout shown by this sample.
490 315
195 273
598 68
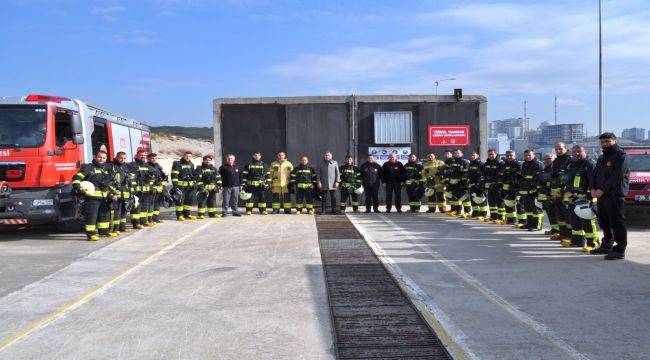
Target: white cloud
108 13
138 37
570 102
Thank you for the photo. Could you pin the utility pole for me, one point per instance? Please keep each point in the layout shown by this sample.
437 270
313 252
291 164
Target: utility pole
600 68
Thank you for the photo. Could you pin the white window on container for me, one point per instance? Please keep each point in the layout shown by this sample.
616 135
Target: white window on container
393 127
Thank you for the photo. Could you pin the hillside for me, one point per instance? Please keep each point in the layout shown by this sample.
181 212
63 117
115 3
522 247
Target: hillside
200 133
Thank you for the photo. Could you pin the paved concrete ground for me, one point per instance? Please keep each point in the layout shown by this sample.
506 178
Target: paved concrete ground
233 288
502 293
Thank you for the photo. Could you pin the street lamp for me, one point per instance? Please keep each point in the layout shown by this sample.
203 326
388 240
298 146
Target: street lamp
600 69
437 82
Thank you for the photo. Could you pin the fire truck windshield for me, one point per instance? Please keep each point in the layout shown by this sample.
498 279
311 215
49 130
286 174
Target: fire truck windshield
22 126
639 162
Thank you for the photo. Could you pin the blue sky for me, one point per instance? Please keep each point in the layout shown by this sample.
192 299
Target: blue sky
163 61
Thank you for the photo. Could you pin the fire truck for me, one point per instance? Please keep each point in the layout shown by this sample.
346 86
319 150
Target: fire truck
44 141
638 198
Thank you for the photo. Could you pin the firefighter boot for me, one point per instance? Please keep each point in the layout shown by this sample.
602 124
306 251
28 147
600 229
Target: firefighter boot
93 238
181 218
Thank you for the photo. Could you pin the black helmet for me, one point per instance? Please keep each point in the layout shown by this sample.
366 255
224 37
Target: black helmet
177 196
167 200
201 196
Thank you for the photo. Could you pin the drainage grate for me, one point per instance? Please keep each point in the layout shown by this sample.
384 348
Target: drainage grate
372 317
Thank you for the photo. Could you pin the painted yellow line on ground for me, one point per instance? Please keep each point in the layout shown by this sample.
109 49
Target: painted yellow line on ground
51 317
450 336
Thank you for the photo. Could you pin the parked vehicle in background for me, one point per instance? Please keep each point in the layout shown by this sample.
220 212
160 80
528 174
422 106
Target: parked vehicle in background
44 140
638 199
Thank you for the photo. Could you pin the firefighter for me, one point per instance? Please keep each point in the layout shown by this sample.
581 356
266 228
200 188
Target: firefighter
183 178
280 177
584 232
350 181
122 191
392 175
432 170
413 182
256 179
491 170
476 185
457 185
544 194
159 180
509 175
448 158
141 182
96 207
531 172
208 182
558 181
303 182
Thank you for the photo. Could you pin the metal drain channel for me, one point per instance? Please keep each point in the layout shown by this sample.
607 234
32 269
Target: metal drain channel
371 316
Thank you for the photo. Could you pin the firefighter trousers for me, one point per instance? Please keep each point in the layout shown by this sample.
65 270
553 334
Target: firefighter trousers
412 193
209 203
550 214
118 222
347 192
437 201
185 208
583 232
97 216
139 213
495 204
281 200
304 199
563 222
534 214
258 198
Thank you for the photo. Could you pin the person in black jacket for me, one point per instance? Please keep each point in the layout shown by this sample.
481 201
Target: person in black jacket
584 233
414 184
371 179
231 178
531 172
610 185
392 175
492 167
558 181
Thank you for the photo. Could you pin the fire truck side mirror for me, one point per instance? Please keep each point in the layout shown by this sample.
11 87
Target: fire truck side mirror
77 129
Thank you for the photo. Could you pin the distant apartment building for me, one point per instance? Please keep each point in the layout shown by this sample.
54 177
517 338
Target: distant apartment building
568 133
636 134
500 143
515 128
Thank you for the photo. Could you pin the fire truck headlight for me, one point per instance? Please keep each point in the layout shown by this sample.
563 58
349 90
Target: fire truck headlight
43 202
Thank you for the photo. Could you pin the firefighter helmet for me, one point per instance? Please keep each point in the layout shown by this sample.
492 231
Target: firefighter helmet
167 200
177 196
359 190
201 196
245 195
538 204
510 200
583 209
429 191
448 195
478 198
87 187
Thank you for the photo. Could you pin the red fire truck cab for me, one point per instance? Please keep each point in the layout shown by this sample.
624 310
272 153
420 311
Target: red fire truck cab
639 195
44 140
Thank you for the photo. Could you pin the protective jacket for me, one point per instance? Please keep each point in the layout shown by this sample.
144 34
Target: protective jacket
413 173
100 175
256 174
612 172
350 176
141 176
159 177
544 184
183 173
304 177
475 174
531 171
578 179
509 175
491 170
432 174
457 172
280 175
122 180
558 174
207 177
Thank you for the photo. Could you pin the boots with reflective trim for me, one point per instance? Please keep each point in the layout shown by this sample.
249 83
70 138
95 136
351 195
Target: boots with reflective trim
181 218
93 238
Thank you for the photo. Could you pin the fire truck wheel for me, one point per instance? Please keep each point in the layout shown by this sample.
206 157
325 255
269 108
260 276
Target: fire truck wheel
70 226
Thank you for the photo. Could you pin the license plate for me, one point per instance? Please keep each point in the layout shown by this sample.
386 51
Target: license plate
641 197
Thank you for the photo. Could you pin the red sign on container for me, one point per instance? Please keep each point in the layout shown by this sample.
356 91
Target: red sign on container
449 135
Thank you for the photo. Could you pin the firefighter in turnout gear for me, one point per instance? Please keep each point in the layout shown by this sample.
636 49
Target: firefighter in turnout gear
476 186
544 194
141 182
122 191
350 181
584 232
159 180
208 182
304 180
183 178
280 177
531 172
414 186
432 170
558 182
448 158
96 207
457 185
256 178
491 170
509 176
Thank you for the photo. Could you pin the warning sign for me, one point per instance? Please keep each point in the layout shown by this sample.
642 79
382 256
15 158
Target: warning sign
457 135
